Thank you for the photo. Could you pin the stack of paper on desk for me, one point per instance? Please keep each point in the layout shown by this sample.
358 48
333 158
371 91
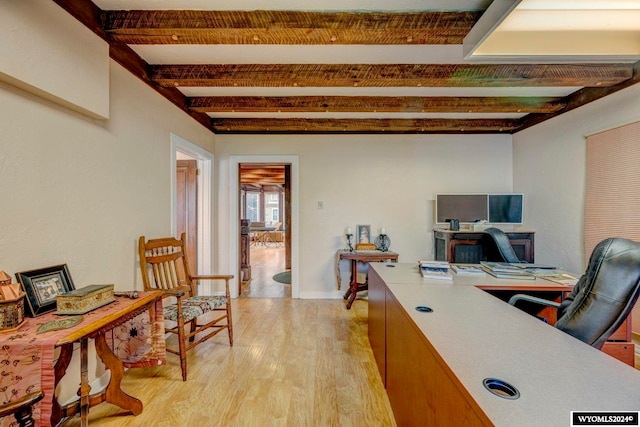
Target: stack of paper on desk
468 270
435 270
503 270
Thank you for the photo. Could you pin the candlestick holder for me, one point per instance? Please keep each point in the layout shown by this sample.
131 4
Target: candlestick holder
349 236
383 242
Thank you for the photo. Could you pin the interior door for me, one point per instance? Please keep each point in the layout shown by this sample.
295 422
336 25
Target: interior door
186 207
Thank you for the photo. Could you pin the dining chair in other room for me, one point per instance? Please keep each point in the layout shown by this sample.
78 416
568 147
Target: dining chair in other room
604 295
164 267
22 409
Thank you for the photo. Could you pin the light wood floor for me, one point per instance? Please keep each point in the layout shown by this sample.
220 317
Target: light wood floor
294 363
266 261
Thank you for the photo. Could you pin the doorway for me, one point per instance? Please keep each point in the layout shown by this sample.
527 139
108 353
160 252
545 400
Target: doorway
181 149
234 212
265 208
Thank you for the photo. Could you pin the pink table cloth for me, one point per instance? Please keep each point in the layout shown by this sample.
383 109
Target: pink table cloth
27 358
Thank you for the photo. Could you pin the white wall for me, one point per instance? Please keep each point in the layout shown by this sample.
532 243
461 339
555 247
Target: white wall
549 167
382 180
48 52
80 191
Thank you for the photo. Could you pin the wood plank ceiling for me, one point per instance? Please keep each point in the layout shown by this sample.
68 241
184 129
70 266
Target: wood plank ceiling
359 97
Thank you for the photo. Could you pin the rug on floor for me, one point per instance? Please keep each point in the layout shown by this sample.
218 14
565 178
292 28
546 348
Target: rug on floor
284 277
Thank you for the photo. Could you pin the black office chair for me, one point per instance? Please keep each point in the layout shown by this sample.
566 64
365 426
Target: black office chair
603 297
502 243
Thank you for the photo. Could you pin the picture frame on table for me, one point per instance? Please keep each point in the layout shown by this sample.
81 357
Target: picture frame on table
42 286
363 233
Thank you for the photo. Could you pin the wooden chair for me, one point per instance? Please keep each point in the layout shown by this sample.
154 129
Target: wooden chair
164 266
22 409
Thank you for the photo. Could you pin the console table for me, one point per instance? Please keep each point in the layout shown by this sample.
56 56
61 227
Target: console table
29 355
434 364
469 247
364 257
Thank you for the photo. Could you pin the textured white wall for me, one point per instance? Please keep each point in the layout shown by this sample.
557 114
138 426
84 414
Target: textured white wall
80 191
549 167
382 180
49 53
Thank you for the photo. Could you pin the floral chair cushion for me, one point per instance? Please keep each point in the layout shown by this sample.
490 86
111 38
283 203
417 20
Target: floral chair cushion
193 307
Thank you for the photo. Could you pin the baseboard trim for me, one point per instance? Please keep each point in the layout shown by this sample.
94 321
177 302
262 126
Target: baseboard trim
321 295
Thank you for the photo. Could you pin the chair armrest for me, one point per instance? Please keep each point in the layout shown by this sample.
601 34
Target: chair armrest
514 299
176 292
213 277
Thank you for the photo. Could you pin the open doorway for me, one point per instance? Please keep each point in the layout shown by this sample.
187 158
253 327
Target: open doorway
265 210
234 213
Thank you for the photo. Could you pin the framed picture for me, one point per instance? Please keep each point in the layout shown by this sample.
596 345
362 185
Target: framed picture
363 234
42 286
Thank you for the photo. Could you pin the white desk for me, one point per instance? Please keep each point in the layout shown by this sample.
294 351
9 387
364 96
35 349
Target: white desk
434 364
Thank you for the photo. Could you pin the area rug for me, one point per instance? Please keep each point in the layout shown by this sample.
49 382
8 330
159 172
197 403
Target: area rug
284 277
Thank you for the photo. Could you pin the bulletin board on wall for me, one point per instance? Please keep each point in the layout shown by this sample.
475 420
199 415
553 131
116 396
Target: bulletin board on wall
612 192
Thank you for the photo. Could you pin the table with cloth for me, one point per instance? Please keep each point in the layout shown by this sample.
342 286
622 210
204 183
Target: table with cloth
127 332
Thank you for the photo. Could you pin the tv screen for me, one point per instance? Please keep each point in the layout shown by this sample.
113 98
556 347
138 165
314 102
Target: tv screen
465 208
505 208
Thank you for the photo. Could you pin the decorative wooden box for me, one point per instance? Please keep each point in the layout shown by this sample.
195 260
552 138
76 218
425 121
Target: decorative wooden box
85 299
11 313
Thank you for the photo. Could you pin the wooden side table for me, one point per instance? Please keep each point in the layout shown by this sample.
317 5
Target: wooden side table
363 257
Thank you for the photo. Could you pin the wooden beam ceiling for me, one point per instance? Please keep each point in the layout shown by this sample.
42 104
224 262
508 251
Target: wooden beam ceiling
262 174
287 27
391 75
364 125
122 28
388 104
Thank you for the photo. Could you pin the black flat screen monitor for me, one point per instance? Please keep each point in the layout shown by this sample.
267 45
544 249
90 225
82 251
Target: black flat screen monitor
466 208
505 208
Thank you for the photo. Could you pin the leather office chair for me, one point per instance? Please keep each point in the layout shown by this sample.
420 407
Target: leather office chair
164 267
603 297
502 243
22 408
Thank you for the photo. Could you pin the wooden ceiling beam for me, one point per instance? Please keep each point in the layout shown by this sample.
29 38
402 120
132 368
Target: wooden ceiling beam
287 27
252 125
580 98
383 104
391 75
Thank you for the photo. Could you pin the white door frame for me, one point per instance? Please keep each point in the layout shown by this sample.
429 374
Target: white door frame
204 161
234 214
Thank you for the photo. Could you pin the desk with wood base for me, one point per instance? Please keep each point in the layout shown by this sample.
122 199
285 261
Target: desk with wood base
434 363
96 330
364 257
29 361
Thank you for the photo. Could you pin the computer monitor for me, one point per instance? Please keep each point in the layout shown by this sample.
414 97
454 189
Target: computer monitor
506 208
466 208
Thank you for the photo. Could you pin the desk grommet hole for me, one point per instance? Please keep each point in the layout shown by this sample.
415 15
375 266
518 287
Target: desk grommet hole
501 388
424 309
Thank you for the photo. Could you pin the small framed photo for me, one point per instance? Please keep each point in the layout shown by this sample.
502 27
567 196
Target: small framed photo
363 234
42 286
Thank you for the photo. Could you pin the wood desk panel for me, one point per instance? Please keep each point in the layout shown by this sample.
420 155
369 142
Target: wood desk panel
377 321
471 335
421 388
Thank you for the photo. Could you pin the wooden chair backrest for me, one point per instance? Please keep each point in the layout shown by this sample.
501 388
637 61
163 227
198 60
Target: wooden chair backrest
163 263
